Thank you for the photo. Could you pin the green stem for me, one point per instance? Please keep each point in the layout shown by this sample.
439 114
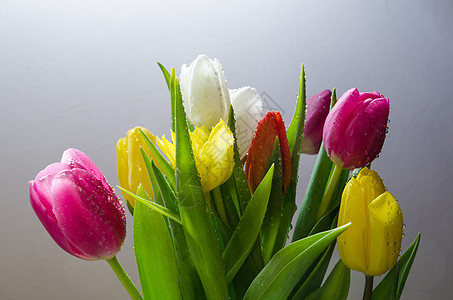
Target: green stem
368 287
125 279
220 207
328 192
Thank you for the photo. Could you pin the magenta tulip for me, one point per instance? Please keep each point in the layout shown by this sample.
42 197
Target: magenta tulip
355 129
317 110
78 207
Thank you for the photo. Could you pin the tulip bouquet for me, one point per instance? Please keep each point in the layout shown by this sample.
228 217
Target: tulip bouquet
212 206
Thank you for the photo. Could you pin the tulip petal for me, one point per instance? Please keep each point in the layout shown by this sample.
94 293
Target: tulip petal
215 161
89 215
351 242
49 221
386 221
247 107
168 148
137 172
317 111
77 159
122 166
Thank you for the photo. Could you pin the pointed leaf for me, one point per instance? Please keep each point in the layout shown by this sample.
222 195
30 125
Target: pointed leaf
336 285
243 238
396 278
154 253
281 274
310 283
154 206
315 190
271 222
167 168
198 228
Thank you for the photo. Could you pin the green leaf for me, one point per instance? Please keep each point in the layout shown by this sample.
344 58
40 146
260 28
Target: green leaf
295 134
271 222
169 197
189 281
245 234
239 176
398 274
166 74
281 274
295 130
154 206
198 228
172 102
154 253
387 288
167 168
315 190
313 281
336 285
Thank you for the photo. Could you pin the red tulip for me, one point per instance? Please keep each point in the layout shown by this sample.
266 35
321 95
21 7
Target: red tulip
317 111
260 151
78 207
355 129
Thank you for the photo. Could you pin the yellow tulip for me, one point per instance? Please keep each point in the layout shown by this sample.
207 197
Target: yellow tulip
213 153
131 167
373 242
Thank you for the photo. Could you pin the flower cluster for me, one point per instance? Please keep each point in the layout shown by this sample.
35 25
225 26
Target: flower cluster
212 206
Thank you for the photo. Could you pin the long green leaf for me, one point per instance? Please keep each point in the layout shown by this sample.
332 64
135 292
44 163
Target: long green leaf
295 134
167 168
198 228
310 282
296 128
189 281
315 190
245 234
154 253
402 268
281 274
154 206
239 176
271 222
336 286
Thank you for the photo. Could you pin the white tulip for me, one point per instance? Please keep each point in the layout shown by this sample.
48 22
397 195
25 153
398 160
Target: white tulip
247 107
204 92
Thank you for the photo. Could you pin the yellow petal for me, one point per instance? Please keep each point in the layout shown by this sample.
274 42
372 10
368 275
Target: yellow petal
131 167
351 242
167 148
123 175
386 221
215 162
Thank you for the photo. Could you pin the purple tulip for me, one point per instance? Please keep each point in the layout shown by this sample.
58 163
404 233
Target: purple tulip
78 207
355 128
317 110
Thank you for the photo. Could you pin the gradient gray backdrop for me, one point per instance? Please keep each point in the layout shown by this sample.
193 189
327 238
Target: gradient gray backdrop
81 73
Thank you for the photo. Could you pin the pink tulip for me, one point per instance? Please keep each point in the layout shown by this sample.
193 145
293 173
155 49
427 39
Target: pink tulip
317 110
78 207
355 129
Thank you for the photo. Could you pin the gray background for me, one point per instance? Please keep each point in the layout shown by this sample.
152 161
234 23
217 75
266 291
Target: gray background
81 73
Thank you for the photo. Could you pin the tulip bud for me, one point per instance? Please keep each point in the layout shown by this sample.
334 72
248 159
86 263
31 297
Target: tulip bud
355 128
78 207
132 170
204 92
270 126
317 110
373 242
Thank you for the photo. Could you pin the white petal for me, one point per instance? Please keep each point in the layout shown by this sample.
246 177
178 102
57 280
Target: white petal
247 107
